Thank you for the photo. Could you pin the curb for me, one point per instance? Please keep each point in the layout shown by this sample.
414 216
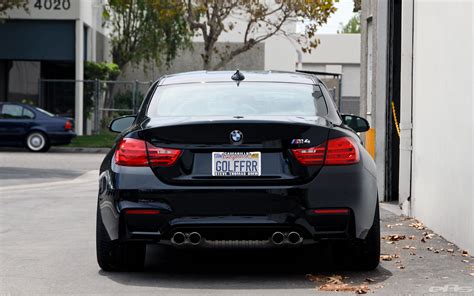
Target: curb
392 208
79 150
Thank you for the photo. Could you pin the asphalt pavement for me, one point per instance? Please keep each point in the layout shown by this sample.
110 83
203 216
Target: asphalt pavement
47 246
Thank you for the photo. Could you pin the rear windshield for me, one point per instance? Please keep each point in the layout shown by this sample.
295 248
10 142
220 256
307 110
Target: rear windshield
228 99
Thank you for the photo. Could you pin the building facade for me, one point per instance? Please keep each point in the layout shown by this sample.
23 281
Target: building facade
51 40
417 78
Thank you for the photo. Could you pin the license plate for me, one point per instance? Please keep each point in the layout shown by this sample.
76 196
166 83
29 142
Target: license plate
236 163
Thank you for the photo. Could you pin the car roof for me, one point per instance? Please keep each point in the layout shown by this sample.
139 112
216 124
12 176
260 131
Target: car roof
16 103
225 76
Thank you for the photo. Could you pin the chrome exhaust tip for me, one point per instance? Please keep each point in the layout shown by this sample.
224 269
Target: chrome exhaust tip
294 237
178 238
278 238
194 238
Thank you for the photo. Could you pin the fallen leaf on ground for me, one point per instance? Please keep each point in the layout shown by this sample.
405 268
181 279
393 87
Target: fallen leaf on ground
450 250
393 225
428 235
394 237
465 253
369 280
358 289
401 267
411 237
465 261
316 278
335 279
417 225
387 257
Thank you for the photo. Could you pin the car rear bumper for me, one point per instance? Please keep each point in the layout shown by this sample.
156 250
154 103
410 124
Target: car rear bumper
248 215
61 138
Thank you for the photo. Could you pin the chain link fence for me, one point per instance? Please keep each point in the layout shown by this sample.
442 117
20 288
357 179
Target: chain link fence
103 100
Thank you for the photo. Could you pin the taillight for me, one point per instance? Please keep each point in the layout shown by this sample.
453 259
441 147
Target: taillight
339 151
162 156
310 156
68 125
142 212
133 152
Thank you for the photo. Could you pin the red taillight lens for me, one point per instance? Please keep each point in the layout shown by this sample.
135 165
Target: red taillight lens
331 211
162 156
142 212
68 126
310 156
133 152
339 151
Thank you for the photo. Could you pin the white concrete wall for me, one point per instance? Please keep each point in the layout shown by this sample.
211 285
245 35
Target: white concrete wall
351 80
442 192
335 49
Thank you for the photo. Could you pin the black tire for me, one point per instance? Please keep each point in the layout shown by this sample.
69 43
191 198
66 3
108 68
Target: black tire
112 256
360 254
368 250
37 141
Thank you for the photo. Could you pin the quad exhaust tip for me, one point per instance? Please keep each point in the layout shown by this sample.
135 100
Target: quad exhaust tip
178 238
294 237
194 238
278 238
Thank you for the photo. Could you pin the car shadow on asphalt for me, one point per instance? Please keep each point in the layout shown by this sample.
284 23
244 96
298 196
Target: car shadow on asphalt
243 269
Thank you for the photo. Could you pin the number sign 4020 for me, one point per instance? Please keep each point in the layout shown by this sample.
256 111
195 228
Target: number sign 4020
53 4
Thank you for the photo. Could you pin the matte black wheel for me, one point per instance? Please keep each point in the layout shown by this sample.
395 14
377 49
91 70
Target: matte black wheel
112 256
361 254
368 251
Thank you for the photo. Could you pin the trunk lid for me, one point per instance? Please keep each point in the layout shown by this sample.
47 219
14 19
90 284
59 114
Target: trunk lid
272 137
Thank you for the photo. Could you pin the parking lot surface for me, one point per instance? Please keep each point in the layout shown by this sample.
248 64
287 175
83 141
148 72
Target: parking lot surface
47 246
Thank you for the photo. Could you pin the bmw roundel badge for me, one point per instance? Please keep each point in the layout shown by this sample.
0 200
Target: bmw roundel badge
236 137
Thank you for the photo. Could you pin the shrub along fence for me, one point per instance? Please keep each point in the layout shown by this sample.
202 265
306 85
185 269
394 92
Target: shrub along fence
103 100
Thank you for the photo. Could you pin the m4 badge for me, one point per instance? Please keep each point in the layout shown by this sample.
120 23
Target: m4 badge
300 141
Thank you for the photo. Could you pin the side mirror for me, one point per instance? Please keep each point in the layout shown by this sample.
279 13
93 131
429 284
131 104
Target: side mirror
357 123
120 124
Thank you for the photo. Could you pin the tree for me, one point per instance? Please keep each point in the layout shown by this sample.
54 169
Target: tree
262 20
145 30
352 26
96 71
9 4
357 5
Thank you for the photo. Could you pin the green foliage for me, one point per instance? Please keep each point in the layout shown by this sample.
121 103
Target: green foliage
100 71
262 20
9 4
145 30
96 71
28 102
103 140
124 100
352 26
357 5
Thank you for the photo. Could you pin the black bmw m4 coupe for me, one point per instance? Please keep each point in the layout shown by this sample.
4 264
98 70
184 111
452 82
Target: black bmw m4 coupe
237 160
